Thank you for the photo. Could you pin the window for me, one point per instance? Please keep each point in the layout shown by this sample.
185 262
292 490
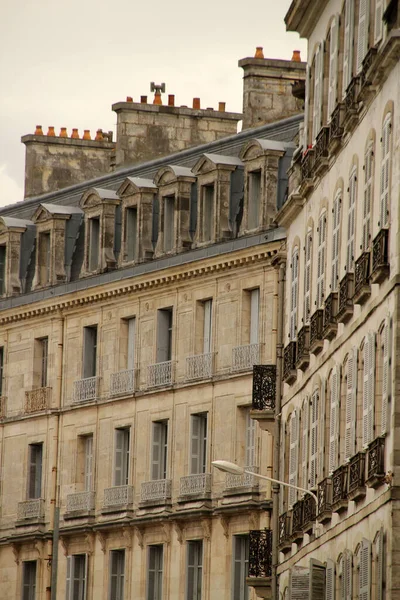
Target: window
77 565
198 445
44 358
321 260
254 195
1 369
35 471
318 90
336 241
194 570
44 258
293 456
348 45
164 335
294 294
333 64
364 579
368 191
169 216
117 574
346 580
159 453
131 342
89 351
155 573
208 213
368 389
351 221
254 314
385 171
240 567
386 374
2 270
305 415
250 458
131 233
363 27
314 416
307 278
88 465
207 339
121 461
94 243
378 29
334 419
29 580
351 404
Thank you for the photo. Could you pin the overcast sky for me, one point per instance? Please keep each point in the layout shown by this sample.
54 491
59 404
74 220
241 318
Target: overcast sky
63 63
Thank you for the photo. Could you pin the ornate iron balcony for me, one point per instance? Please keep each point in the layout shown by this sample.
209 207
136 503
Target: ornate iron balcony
303 348
285 542
339 489
31 509
196 485
336 130
324 495
38 399
158 489
244 357
362 286
356 486
264 387
260 553
159 374
307 166
86 389
297 521
321 151
309 512
376 462
380 257
346 292
199 367
289 363
82 502
122 382
330 321
118 496
316 331
367 63
244 480
350 101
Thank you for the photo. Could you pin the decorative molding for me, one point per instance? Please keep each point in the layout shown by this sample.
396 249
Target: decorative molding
139 534
16 549
206 525
103 540
127 535
90 542
254 520
166 527
64 543
39 546
224 520
179 530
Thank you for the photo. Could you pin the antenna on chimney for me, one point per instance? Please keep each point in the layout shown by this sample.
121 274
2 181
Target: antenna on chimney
157 87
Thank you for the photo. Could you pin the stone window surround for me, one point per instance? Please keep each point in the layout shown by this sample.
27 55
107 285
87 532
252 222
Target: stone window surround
55 226
10 237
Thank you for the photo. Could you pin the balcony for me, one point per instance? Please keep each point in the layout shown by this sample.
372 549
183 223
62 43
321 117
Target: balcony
31 511
118 498
365 75
260 562
285 542
244 357
289 363
324 495
195 486
80 504
351 104
264 395
156 491
376 463
380 257
362 286
356 486
346 293
309 513
159 374
330 324
122 383
321 151
303 348
37 400
244 480
85 389
339 489
307 171
199 367
316 331
297 521
336 130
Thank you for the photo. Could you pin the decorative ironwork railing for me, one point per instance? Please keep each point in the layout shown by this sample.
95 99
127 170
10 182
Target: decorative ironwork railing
321 144
324 495
303 343
86 389
316 326
122 382
361 272
356 472
196 485
31 509
81 501
119 495
284 527
159 374
297 518
307 165
264 387
309 510
350 99
336 130
260 553
38 399
243 480
339 484
289 359
376 458
158 489
345 293
244 357
366 65
330 311
380 250
199 367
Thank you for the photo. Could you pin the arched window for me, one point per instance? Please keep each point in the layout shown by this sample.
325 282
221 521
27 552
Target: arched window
294 298
364 573
369 165
385 170
336 240
307 277
351 220
322 411
321 259
348 45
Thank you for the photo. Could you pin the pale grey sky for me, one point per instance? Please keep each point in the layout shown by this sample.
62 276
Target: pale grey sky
64 63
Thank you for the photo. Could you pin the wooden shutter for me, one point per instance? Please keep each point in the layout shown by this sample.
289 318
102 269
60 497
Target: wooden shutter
351 222
368 180
250 441
385 171
364 592
299 583
254 312
330 580
241 556
336 241
282 468
363 24
317 580
333 64
69 587
378 29
88 463
348 45
198 446
307 278
334 419
347 576
321 259
207 327
294 294
305 443
131 343
366 357
380 564
386 375
307 109
371 387
321 457
156 451
293 456
318 90
121 468
351 404
314 413
85 577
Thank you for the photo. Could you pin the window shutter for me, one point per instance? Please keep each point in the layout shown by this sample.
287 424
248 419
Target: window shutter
363 24
307 279
386 376
380 564
254 312
351 405
207 327
304 444
294 294
366 356
314 473
321 459
250 441
378 30
333 426
307 108
293 457
195 449
156 451
299 583
371 387
282 469
321 259
368 175
121 469
347 574
348 45
330 580
68 595
351 225
385 168
163 335
131 343
85 577
335 241
333 64
317 580
365 570
318 90
88 463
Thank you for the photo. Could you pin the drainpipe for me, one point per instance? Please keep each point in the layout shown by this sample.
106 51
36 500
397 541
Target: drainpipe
281 274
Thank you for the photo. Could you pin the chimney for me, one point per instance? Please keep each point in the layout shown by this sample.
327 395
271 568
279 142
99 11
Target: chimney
267 88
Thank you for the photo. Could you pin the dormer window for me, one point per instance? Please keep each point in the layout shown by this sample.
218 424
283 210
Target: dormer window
208 212
254 190
131 233
44 258
94 243
169 228
2 270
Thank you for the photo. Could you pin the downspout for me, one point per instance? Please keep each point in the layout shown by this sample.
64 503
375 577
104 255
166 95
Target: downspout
280 267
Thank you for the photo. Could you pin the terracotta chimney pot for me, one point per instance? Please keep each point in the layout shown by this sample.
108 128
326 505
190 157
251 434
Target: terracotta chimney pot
38 130
196 103
259 52
157 98
51 132
86 134
171 100
129 99
296 56
221 106
63 132
99 135
143 99
75 134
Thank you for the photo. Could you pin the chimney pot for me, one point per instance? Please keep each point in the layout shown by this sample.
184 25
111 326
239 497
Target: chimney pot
171 100
51 131
157 97
38 130
99 135
296 56
196 103
221 106
75 134
129 99
63 132
143 99
86 134
259 52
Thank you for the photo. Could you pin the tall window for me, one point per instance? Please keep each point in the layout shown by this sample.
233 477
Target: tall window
1 370
351 221
348 45
364 578
3 251
368 191
385 170
94 244
35 471
386 374
314 417
363 29
208 212
351 404
131 342
293 456
159 453
336 241
318 90
333 64
254 315
164 335
194 570
77 577
44 258
198 444
44 359
305 417
155 572
29 568
89 351
250 458
368 388
121 460
131 233
378 26
240 590
117 574
207 323
88 462
307 278
294 294
321 260
334 419
169 228
254 196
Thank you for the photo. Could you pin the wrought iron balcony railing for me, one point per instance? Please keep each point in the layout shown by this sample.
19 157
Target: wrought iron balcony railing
303 348
159 374
196 485
321 150
307 166
297 520
118 496
260 553
316 331
82 502
376 462
324 495
264 387
346 293
32 510
339 489
86 389
122 382
158 489
289 363
285 531
244 357
244 480
380 257
356 485
330 323
336 130
362 286
350 101
367 63
38 399
199 367
309 512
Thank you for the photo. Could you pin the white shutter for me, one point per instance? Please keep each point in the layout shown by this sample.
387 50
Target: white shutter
368 178
85 577
348 45
282 470
385 171
195 445
330 580
307 278
69 587
351 404
318 90
131 343
250 441
321 259
157 451
363 24
121 466
304 443
317 580
347 575
351 222
334 419
306 108
386 376
89 463
254 312
365 571
321 457
293 456
333 64
378 29
207 327
371 387
299 583
336 241
294 294
366 356
314 413
380 564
